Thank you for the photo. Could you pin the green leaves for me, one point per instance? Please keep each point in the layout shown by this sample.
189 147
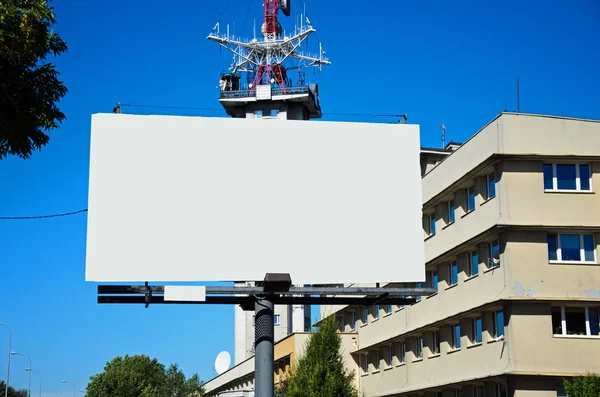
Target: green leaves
140 376
583 386
30 88
320 372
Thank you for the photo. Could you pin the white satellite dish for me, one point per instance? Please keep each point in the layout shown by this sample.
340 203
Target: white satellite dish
222 362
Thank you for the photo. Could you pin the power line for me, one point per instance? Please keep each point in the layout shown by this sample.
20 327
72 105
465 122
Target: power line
4 218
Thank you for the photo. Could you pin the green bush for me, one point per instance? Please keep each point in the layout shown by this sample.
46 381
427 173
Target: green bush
583 386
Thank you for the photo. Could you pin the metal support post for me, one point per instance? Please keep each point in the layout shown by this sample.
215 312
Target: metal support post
264 335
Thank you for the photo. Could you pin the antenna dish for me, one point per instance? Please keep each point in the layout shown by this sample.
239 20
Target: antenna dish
222 362
284 6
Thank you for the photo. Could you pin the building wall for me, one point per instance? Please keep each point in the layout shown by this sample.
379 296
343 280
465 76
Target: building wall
536 350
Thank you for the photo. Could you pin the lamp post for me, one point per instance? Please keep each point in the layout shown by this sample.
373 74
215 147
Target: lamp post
8 361
29 381
40 374
66 381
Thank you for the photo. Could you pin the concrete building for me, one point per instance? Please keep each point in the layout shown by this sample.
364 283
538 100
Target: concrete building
511 221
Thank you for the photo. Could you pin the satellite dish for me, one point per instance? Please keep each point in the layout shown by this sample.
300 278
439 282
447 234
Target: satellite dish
222 362
284 6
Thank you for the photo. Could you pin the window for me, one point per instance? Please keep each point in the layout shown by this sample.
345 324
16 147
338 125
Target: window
349 319
400 351
458 393
364 366
433 279
455 336
365 316
418 348
567 177
476 330
500 390
435 342
571 248
387 356
399 307
493 254
429 224
497 328
470 198
489 188
584 321
478 391
473 263
375 312
258 114
418 298
453 273
374 359
450 211
387 309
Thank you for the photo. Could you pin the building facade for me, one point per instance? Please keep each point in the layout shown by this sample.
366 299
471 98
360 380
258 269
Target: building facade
511 222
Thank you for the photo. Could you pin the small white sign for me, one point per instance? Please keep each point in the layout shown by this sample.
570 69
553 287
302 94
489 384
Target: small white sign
185 293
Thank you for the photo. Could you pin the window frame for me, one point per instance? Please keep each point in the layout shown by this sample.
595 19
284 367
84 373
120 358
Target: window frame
577 178
418 348
434 276
486 185
377 360
588 332
400 353
435 343
473 268
490 253
388 357
453 337
430 220
364 319
494 326
451 266
581 248
474 334
448 212
467 201
363 364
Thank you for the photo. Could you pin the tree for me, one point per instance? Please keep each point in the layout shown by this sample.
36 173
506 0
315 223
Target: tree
583 386
140 376
12 392
320 372
29 87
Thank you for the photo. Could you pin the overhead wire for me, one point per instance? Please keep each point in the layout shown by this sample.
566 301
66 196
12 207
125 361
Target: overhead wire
4 218
373 115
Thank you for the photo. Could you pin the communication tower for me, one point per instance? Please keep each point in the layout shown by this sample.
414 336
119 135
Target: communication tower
261 80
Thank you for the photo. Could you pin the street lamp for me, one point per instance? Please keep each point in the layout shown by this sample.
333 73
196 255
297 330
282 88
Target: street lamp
8 362
66 381
40 374
29 381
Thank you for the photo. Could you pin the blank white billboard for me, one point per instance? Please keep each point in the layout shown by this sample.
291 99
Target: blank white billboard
218 199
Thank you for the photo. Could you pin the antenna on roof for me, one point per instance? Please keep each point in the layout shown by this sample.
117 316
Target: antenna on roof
443 127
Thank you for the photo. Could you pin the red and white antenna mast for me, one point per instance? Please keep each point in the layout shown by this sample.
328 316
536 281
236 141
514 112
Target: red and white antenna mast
268 61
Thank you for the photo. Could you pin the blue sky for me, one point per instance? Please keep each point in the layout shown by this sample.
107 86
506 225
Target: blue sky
438 61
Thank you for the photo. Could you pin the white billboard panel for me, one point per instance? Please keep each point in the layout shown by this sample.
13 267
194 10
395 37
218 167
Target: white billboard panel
218 199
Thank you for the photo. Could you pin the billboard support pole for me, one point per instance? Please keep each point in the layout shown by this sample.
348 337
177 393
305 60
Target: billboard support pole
264 347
